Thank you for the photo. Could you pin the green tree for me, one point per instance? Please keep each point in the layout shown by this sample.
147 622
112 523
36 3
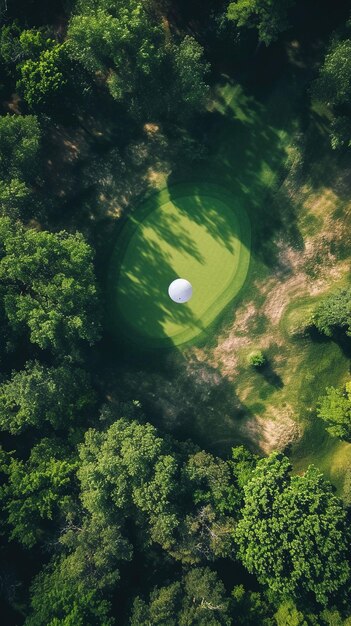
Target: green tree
332 87
335 409
340 132
199 599
74 589
333 83
251 608
206 531
15 197
36 491
129 466
43 79
289 615
293 533
40 394
334 312
257 359
142 65
179 501
19 147
10 47
269 17
50 286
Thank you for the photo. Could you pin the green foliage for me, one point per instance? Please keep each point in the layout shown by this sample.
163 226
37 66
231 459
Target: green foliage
50 286
136 471
257 359
19 152
15 197
332 87
144 69
293 532
289 615
210 481
181 504
10 47
34 42
270 17
75 587
189 72
242 465
335 409
36 490
19 146
334 312
340 136
250 608
333 84
40 394
199 599
41 80
57 600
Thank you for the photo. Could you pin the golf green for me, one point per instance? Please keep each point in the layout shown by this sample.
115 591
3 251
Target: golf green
197 232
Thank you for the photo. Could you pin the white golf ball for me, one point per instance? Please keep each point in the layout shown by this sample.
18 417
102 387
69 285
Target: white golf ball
180 290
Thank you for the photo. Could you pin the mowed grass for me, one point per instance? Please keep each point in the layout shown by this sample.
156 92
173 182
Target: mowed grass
197 232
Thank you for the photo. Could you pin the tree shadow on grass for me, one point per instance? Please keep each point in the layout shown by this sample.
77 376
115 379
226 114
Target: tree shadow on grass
140 294
180 395
271 376
249 144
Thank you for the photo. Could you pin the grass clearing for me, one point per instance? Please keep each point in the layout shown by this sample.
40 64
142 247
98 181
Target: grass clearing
197 232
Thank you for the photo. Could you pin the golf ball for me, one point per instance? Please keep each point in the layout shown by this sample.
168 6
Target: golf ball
180 290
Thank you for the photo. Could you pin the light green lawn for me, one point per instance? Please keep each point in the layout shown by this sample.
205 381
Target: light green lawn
197 232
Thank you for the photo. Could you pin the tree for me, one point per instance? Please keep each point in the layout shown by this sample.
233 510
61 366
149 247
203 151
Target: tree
15 197
42 79
128 468
257 359
75 588
36 491
58 600
335 409
289 615
332 87
50 286
334 312
40 394
251 608
141 64
19 147
199 599
333 84
10 47
293 533
270 17
178 502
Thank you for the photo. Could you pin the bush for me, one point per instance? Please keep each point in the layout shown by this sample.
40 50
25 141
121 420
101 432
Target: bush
334 313
257 359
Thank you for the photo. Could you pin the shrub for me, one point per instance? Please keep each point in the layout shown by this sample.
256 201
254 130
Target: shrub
257 358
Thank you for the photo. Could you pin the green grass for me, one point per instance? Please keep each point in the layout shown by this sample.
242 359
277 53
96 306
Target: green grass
198 232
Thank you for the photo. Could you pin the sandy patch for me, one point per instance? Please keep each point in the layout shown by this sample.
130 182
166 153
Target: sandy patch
271 433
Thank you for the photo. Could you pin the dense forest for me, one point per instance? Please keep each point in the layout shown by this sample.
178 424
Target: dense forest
208 484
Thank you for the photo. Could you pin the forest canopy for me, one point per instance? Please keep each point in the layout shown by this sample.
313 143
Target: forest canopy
206 483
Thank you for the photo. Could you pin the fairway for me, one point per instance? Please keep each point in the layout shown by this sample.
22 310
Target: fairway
196 232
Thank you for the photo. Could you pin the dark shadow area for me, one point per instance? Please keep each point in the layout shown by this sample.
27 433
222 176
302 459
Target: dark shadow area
180 394
271 376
